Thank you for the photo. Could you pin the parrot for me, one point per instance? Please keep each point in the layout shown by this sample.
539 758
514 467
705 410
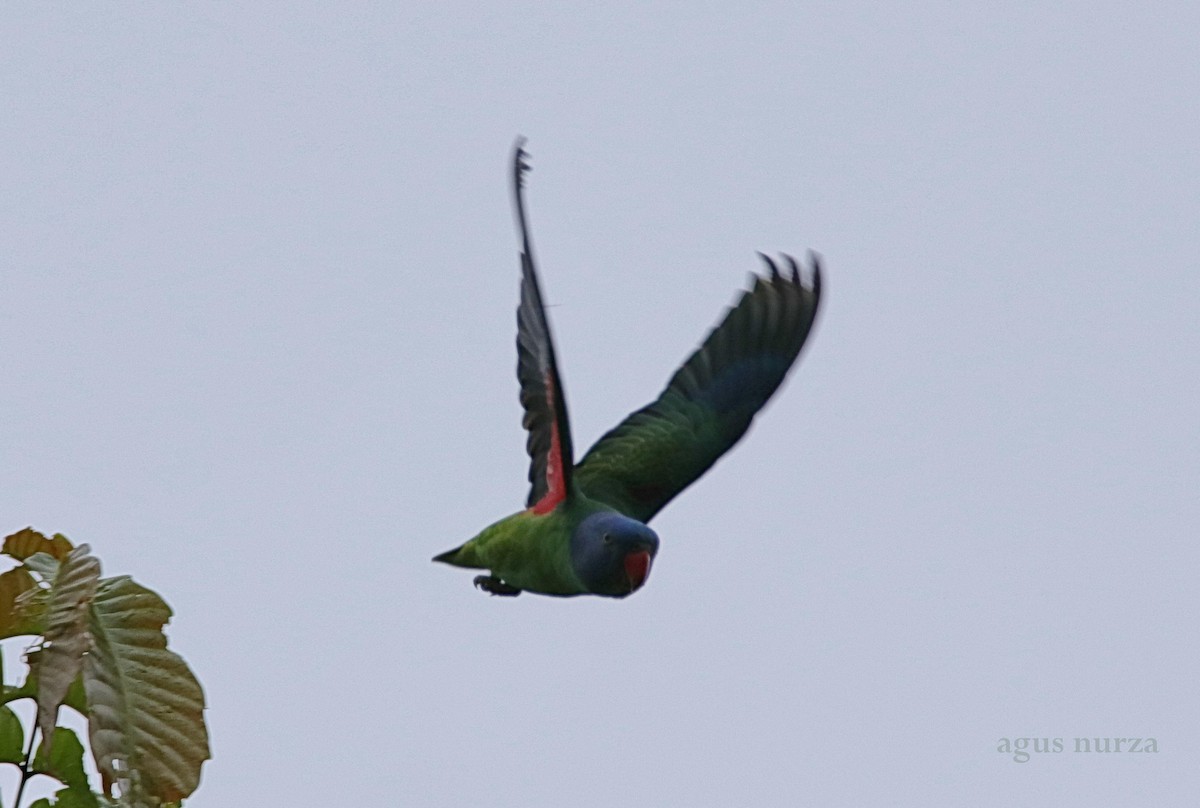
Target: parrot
584 529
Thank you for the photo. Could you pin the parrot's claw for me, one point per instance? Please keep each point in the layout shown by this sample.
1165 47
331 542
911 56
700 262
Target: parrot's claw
495 586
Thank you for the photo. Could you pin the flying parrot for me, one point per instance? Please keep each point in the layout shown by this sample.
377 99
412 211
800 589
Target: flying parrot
584 531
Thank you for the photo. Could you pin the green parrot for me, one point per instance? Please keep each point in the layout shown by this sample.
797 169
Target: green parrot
584 529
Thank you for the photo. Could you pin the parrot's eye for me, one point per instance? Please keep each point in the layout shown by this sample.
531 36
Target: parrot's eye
607 539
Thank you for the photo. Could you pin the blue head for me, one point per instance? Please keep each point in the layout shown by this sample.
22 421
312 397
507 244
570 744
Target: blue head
612 553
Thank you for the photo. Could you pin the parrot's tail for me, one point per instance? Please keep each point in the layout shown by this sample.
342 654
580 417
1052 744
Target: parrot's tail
462 556
448 556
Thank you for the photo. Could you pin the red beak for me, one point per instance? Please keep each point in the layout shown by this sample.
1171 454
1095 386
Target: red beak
637 567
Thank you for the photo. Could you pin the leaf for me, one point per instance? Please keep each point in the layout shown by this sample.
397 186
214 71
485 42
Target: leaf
24 543
65 761
66 635
15 619
32 602
44 565
12 737
75 698
71 798
146 708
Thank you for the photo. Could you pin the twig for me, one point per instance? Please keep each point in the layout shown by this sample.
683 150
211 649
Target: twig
26 764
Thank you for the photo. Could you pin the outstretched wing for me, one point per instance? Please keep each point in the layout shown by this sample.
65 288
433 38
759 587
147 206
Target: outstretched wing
708 405
551 457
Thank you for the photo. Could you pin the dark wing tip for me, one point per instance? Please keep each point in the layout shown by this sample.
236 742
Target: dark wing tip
815 259
771 265
794 267
520 162
794 270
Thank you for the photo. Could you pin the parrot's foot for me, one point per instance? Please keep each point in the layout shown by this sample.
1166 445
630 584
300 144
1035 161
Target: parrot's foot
495 586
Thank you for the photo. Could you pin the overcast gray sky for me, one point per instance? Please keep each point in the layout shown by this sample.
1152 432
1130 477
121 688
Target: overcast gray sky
259 283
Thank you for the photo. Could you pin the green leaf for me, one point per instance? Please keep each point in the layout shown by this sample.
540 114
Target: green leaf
24 543
66 635
71 798
15 619
12 737
76 699
65 761
146 708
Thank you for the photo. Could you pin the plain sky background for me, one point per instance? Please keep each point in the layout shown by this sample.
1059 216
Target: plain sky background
259 278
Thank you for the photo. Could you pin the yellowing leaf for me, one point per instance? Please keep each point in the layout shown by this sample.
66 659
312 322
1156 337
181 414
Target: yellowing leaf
14 618
24 543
